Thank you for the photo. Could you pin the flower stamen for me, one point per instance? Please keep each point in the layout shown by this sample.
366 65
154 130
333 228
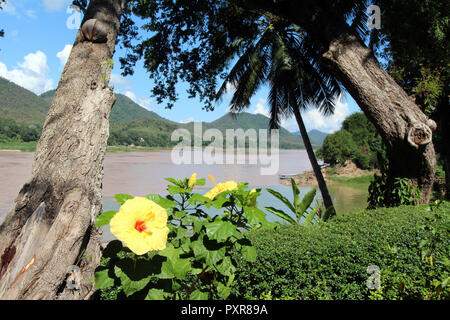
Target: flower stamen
140 226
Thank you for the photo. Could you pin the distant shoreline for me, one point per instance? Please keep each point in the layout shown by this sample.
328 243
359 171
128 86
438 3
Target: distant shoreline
346 173
31 147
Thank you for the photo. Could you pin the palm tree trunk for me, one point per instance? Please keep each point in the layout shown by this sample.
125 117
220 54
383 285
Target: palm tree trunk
312 158
50 228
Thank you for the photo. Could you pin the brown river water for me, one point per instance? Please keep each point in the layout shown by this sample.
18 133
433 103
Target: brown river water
141 173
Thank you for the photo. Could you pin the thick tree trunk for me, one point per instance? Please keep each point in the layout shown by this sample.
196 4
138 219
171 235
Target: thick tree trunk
50 229
402 125
312 158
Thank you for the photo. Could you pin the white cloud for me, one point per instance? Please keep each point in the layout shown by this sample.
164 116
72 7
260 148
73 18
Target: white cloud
314 119
147 104
63 55
32 73
120 82
31 14
229 90
131 95
55 5
261 108
190 119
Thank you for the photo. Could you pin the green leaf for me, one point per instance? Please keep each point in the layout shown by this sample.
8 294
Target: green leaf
200 182
155 294
226 267
281 214
220 199
196 197
223 291
176 182
133 275
249 253
170 253
214 256
175 190
310 217
296 193
179 215
103 280
122 198
199 249
175 269
306 202
282 199
104 218
255 216
198 295
163 202
220 230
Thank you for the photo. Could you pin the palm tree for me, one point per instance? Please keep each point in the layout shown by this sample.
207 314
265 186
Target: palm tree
283 57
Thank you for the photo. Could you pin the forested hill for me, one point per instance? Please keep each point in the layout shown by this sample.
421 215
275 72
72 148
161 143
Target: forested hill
131 124
124 110
19 104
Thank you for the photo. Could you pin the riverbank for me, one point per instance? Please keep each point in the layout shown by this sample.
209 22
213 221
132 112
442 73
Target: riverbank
347 173
31 147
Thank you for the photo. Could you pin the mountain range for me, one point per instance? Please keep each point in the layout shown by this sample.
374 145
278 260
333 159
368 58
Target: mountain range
314 135
133 124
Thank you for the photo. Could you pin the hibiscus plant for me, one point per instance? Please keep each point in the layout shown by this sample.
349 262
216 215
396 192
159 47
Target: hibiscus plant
174 247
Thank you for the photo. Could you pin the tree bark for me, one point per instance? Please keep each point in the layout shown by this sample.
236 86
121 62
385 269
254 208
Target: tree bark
50 226
399 121
312 158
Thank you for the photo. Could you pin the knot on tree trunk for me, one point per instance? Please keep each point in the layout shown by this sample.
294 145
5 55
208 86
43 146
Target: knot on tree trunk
95 31
419 134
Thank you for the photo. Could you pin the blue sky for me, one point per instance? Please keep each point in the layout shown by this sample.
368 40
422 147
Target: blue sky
38 38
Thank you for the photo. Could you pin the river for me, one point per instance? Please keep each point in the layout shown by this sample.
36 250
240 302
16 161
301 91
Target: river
141 173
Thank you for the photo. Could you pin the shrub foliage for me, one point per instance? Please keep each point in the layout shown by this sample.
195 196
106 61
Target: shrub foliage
410 245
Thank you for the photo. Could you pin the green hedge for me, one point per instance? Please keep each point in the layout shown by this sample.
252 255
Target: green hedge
330 260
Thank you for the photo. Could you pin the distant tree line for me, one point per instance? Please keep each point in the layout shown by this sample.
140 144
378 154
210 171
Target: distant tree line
357 141
12 131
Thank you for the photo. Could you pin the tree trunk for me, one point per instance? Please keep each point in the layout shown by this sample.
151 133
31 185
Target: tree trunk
49 230
312 158
399 121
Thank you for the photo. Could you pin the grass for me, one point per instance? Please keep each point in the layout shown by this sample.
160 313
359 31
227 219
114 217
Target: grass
131 149
367 179
20 146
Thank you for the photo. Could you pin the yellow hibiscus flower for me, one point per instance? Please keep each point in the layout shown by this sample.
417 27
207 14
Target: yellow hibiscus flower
141 225
192 180
219 188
